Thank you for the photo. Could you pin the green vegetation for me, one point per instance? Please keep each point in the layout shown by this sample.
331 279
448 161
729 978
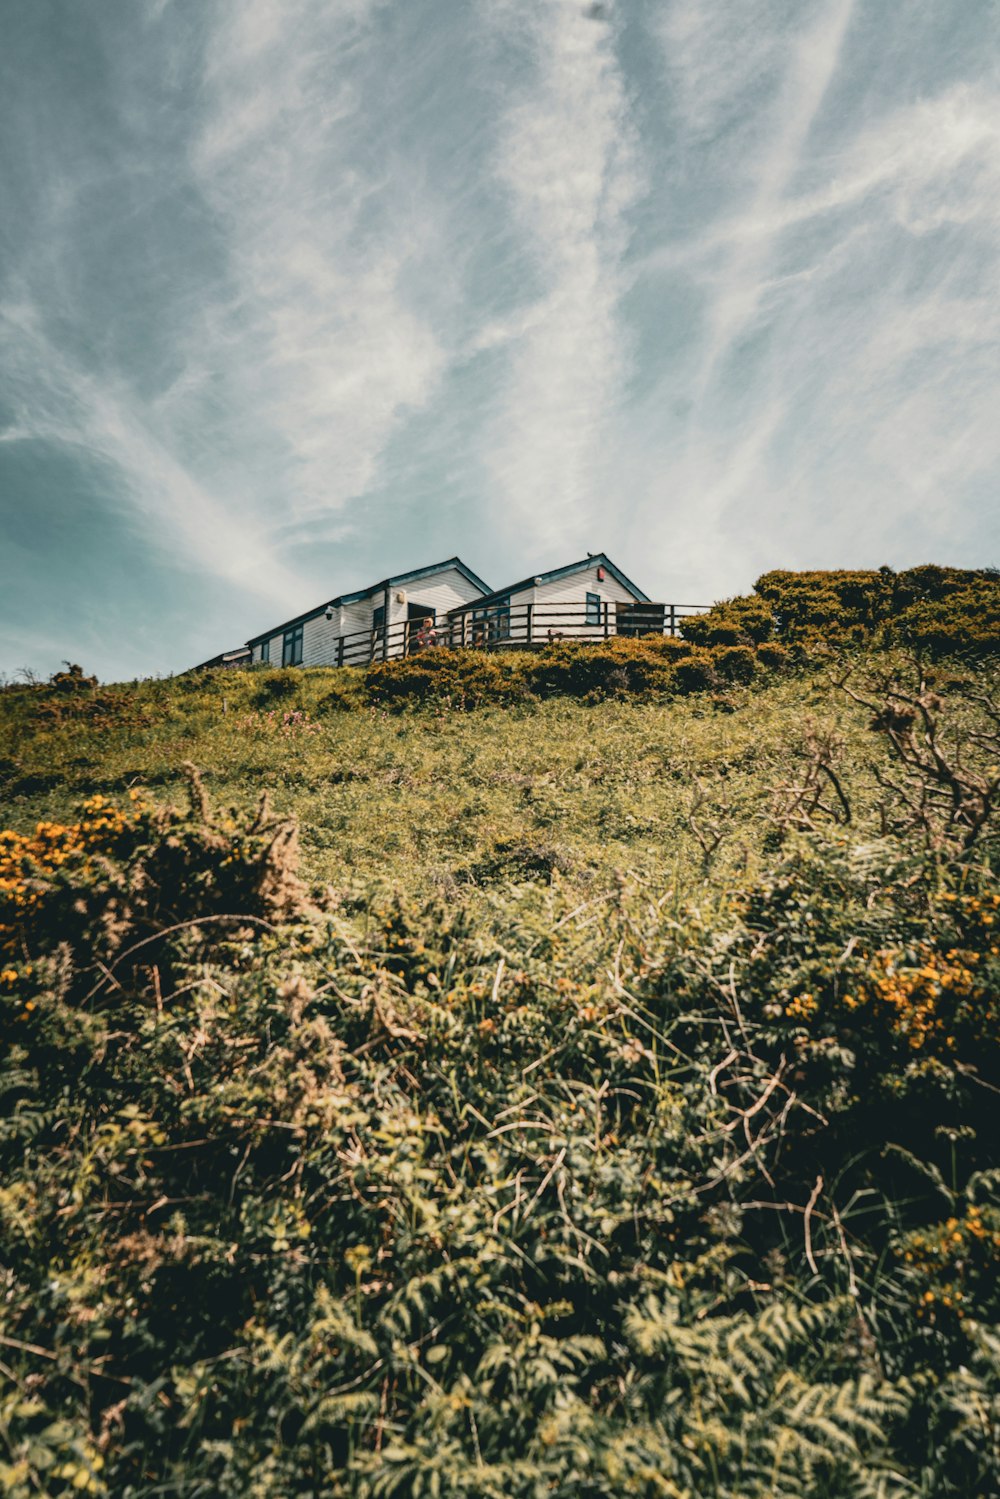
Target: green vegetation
602 1102
937 609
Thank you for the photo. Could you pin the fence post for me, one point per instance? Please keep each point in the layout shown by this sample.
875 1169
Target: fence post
607 618
529 610
340 651
673 619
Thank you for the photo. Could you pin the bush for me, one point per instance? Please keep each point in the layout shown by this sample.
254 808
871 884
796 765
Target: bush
741 621
495 1198
941 608
344 697
697 673
277 684
736 663
463 679
608 668
774 656
968 620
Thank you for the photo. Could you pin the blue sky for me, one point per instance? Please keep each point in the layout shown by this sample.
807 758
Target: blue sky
298 293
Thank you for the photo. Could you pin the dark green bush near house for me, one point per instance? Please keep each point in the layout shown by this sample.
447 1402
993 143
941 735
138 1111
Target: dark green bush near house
938 608
346 696
605 668
696 673
736 663
741 621
465 679
275 684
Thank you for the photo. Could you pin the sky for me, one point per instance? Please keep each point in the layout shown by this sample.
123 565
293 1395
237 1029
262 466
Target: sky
297 294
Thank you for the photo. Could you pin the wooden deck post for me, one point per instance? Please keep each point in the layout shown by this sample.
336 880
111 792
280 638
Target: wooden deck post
340 651
607 619
673 619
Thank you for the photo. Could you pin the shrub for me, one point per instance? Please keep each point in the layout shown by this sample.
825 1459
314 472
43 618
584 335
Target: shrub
697 673
736 663
465 679
740 621
944 609
71 696
279 683
774 656
346 696
606 668
967 620
497 1197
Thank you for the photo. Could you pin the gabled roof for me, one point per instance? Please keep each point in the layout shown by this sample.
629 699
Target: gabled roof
224 658
597 559
413 576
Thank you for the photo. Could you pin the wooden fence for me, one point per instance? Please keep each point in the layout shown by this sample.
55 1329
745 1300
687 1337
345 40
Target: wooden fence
513 627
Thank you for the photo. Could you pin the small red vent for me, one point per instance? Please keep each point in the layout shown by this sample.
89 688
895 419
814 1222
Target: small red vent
600 575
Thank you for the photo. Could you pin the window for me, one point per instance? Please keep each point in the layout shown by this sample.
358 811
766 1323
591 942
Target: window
265 650
593 608
291 649
378 620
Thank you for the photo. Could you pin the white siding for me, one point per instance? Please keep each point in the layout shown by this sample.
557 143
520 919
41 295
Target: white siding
274 659
352 622
571 593
319 638
558 608
441 592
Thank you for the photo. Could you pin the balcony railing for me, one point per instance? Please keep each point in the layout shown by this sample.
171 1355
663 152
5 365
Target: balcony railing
514 627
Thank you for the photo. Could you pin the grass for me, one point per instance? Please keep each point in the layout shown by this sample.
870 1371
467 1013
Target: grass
620 1118
432 796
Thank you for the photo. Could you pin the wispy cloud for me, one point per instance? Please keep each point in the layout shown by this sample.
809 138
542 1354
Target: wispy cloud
836 399
54 400
567 158
294 291
809 59
323 336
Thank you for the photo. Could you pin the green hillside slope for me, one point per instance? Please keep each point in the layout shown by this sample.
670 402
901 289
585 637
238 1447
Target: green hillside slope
591 1091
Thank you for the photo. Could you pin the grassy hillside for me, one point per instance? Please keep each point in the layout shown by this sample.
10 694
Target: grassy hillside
662 785
600 1101
439 795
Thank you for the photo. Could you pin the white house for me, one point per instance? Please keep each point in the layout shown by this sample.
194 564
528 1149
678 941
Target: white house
359 627
586 600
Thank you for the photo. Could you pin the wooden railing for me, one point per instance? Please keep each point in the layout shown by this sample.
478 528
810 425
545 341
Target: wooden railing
518 627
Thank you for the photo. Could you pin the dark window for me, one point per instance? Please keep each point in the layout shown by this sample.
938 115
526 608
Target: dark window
291 649
265 650
593 608
378 620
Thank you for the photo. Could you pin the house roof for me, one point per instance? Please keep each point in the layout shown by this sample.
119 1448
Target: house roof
224 658
597 559
413 576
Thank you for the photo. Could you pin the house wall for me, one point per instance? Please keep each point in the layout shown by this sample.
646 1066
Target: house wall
573 590
440 592
558 608
275 656
352 622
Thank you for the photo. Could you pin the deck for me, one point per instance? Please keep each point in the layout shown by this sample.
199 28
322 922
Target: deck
514 627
